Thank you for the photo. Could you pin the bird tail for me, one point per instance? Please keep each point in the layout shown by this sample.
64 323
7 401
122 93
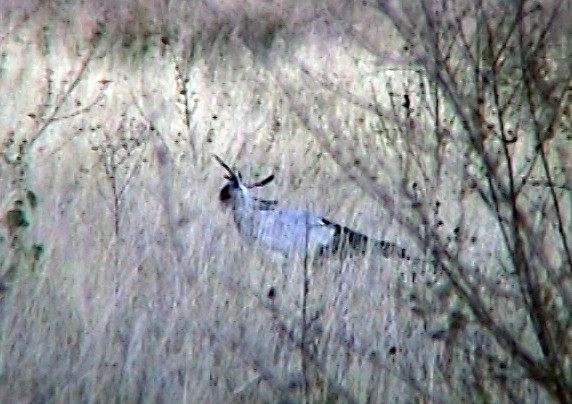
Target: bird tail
347 240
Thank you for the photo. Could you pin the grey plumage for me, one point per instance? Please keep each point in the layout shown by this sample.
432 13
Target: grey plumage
293 232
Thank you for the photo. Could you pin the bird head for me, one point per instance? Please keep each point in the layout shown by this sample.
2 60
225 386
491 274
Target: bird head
235 189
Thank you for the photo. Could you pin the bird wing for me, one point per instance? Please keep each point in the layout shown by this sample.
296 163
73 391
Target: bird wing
297 231
265 204
346 240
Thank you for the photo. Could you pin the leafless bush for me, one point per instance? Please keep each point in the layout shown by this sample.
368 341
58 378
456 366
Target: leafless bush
470 154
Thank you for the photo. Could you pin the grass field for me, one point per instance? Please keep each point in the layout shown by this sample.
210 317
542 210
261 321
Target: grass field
130 284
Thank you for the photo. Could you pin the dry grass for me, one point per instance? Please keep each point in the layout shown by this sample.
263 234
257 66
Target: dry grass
145 292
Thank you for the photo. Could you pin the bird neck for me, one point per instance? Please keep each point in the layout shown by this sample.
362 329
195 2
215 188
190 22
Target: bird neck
244 212
243 204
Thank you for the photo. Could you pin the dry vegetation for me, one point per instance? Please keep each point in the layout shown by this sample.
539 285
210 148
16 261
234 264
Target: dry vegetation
443 126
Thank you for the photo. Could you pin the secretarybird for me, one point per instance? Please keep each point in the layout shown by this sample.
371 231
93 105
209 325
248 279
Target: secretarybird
293 232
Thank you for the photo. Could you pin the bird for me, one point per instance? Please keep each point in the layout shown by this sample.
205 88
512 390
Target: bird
293 232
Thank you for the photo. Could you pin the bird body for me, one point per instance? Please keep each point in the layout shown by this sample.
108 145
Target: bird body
293 232
286 231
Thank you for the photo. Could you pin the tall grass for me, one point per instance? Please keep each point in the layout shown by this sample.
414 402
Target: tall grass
122 281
